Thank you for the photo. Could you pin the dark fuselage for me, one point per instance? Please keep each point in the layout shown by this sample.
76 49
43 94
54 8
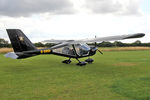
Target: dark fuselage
46 51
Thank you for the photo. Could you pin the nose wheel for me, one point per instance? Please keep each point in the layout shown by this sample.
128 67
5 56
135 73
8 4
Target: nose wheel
81 63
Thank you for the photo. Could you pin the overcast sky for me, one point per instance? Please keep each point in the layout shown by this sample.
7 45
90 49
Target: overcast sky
75 19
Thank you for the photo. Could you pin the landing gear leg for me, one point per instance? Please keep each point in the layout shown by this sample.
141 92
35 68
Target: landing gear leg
67 61
89 60
81 63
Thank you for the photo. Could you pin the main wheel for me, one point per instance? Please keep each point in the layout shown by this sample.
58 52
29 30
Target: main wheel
66 61
81 63
89 60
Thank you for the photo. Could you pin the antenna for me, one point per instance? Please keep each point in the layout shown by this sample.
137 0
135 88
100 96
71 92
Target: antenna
95 42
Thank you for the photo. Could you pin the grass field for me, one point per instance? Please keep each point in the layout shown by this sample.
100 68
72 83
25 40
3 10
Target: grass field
113 76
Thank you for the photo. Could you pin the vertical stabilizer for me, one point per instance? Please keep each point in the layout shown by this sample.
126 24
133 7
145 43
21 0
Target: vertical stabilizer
19 41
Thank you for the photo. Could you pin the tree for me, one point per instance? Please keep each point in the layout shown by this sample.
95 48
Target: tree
49 44
105 44
119 44
3 43
137 43
39 44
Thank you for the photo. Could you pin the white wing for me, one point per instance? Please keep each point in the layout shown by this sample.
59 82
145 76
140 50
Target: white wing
112 38
99 39
55 41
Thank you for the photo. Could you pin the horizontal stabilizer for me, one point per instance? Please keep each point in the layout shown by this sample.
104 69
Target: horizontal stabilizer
11 55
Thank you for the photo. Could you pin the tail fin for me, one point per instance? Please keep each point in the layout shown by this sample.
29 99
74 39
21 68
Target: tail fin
19 41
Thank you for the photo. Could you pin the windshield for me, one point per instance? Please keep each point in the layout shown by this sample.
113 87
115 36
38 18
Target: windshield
82 49
85 47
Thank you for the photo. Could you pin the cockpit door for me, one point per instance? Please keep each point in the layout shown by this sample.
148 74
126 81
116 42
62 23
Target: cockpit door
66 50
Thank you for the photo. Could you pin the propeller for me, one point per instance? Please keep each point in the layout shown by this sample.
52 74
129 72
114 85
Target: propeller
100 51
97 48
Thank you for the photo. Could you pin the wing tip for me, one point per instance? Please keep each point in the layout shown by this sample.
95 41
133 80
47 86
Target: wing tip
137 35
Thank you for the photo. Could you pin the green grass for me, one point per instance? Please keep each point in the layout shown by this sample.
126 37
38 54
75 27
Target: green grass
113 76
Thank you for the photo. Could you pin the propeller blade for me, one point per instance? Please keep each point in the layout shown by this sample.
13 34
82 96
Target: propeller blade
100 51
96 47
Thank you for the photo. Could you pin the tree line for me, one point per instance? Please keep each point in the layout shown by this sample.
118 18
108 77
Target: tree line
6 44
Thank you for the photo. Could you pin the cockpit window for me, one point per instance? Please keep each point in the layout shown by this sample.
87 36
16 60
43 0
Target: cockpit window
80 49
67 50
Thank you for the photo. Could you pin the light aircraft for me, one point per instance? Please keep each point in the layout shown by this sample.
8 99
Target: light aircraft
23 47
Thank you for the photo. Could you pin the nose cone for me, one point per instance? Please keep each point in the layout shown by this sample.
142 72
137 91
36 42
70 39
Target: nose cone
92 51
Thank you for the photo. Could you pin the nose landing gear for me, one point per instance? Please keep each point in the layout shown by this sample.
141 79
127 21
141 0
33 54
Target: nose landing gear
81 63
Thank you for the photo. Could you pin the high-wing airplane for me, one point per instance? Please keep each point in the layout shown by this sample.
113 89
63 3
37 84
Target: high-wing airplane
23 47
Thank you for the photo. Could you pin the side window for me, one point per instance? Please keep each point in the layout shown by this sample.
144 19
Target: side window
68 50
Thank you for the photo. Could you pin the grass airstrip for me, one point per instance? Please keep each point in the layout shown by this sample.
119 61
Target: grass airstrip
116 75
